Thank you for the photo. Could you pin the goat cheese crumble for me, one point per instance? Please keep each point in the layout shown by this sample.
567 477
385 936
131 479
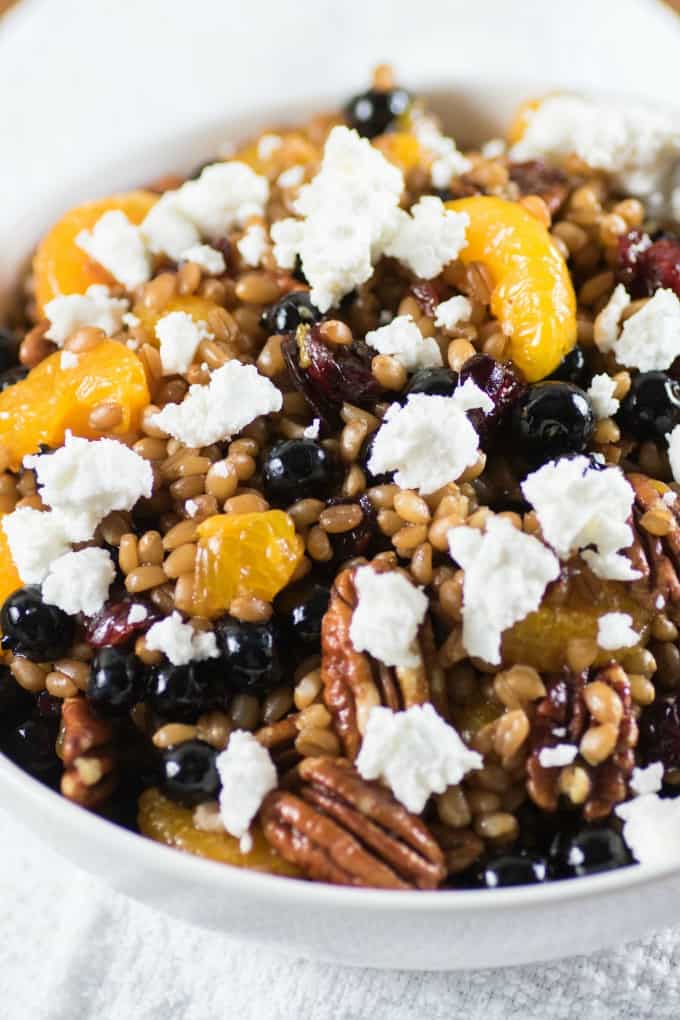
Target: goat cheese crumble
118 246
387 617
96 307
68 359
447 161
312 431
505 576
650 339
448 314
558 756
606 327
179 337
652 828
208 258
647 780
36 539
403 340
79 582
292 177
247 774
601 393
253 244
428 237
179 642
235 396
429 441
415 753
580 505
615 630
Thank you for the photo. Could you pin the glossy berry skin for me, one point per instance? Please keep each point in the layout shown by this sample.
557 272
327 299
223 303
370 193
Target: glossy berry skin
651 407
15 702
33 628
298 469
372 113
116 681
12 376
9 348
434 382
249 655
588 852
181 693
572 367
31 746
552 420
512 869
501 382
291 311
303 622
660 733
188 773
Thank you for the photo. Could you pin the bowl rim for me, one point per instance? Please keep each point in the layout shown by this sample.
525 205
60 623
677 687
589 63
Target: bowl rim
186 866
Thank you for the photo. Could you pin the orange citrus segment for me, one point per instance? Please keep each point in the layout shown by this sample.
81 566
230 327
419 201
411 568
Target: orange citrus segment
400 147
51 399
172 825
520 121
238 554
9 576
197 307
60 266
533 296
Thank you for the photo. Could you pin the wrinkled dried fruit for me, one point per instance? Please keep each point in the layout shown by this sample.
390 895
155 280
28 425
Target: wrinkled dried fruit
112 624
644 264
501 382
534 177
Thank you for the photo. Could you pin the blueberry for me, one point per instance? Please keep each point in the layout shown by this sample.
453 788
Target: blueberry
189 774
298 469
372 113
291 311
31 746
32 628
15 702
652 406
11 376
9 349
553 419
303 622
572 367
437 382
116 681
249 655
182 693
660 733
588 852
512 869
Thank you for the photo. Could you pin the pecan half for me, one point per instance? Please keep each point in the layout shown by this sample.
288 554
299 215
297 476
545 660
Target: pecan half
656 557
340 828
534 177
562 717
89 766
354 683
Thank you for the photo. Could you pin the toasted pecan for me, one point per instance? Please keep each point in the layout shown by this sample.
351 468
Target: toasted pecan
656 557
89 776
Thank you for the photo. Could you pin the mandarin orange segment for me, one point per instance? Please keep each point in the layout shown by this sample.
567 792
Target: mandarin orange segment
400 147
52 399
272 160
197 307
533 297
520 121
9 576
239 554
60 266
161 820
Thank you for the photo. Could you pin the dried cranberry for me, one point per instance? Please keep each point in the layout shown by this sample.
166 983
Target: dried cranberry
112 624
660 733
645 265
427 295
537 178
328 376
501 382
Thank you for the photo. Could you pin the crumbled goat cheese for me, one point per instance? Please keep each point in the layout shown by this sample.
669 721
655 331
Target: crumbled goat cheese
268 144
131 320
179 642
78 582
179 337
137 613
403 340
68 360
650 339
558 756
615 630
118 246
292 177
253 245
494 148
35 540
447 161
449 313
349 212
652 828
95 307
208 258
673 439
638 145
235 396
578 506
428 237
224 196
606 328
247 774
670 498
647 780
505 575
415 752
388 614
601 393
429 441
86 480
312 431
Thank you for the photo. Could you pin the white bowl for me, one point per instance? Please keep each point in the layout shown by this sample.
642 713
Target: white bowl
436 931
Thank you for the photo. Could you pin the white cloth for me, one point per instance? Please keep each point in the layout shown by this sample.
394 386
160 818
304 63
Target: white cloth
70 949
